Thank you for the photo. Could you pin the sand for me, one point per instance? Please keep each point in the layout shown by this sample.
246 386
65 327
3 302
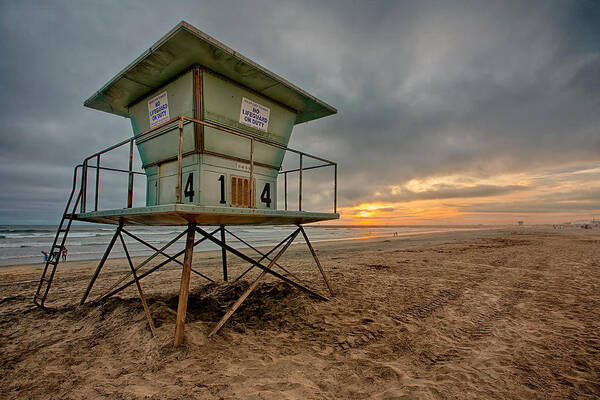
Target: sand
503 314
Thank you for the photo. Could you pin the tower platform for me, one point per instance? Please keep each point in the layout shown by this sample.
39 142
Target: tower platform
184 214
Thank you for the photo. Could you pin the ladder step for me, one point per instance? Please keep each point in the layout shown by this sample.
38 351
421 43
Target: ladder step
56 251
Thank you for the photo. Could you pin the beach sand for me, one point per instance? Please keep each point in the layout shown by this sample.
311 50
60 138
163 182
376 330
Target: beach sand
504 314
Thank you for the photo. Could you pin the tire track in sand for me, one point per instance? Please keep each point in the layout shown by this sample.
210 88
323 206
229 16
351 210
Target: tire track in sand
480 327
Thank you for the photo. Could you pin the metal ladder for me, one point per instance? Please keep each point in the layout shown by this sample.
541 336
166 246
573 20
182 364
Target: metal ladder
55 251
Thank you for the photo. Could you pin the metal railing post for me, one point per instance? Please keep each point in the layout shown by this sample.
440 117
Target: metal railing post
335 188
97 181
130 182
285 188
179 163
252 205
84 186
300 185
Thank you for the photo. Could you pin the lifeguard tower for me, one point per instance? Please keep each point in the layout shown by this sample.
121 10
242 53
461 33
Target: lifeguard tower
212 129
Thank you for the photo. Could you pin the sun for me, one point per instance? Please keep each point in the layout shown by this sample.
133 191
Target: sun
364 214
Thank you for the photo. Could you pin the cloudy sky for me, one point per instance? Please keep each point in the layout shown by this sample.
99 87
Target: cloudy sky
449 111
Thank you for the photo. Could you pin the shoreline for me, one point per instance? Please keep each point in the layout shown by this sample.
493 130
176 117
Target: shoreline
202 251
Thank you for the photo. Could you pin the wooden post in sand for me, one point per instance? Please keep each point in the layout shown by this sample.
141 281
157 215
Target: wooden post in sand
252 286
139 287
224 253
314 254
184 288
101 264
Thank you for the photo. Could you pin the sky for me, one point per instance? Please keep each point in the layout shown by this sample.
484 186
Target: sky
450 112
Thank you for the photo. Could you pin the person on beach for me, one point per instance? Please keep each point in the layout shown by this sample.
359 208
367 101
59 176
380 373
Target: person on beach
64 253
51 257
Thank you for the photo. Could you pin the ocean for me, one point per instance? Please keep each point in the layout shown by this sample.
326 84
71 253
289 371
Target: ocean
23 244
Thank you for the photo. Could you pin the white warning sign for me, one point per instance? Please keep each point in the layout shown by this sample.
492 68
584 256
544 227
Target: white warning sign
158 109
242 166
254 115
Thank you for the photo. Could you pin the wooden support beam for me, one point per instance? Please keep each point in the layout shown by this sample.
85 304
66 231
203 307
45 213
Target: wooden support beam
224 253
163 253
139 287
154 269
101 264
314 254
259 265
243 297
237 304
263 257
146 261
184 288
266 256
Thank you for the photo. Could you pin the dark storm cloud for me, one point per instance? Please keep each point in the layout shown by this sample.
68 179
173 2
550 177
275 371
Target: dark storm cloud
424 88
483 90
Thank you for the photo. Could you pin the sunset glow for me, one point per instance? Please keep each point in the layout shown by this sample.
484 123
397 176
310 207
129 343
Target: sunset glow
540 196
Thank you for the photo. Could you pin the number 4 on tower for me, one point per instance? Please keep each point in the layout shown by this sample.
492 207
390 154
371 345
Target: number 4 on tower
265 196
188 191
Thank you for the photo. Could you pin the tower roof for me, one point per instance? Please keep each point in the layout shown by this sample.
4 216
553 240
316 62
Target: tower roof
185 46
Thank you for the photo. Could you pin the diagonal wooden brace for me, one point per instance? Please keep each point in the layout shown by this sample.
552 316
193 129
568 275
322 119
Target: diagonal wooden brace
263 257
101 264
139 287
153 269
258 264
163 253
243 297
146 261
184 289
314 254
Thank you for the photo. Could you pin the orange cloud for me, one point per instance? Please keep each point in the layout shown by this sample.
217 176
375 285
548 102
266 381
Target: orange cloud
549 196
